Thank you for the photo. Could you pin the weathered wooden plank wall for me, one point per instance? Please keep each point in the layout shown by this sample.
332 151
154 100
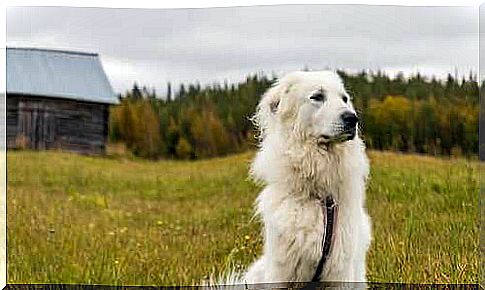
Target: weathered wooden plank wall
42 123
12 120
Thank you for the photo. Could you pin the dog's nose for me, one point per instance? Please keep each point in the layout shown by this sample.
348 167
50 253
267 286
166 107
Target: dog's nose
349 119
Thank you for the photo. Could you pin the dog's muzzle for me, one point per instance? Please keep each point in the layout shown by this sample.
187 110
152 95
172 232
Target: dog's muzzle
346 131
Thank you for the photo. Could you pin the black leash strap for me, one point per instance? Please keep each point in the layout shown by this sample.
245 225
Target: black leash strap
330 216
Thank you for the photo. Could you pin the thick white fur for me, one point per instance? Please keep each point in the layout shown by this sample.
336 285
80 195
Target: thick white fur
298 171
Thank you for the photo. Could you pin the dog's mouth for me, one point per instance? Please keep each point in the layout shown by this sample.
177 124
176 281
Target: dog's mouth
325 140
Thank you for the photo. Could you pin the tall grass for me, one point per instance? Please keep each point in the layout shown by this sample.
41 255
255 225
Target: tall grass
78 219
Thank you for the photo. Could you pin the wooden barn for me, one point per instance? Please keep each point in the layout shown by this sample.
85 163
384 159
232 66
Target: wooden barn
57 100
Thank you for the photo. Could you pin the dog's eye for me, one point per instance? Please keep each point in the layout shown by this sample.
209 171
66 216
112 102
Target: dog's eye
320 97
345 99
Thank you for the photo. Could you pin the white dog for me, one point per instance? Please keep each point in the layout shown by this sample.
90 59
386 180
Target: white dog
310 153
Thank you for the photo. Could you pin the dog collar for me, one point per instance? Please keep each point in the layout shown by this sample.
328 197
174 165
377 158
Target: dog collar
329 210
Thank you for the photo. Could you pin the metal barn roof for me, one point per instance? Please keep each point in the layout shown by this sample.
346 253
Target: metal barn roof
58 74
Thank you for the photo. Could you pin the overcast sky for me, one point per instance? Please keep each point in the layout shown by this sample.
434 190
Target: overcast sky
153 46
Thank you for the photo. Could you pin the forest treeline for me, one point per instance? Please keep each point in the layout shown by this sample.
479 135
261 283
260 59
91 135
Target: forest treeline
415 114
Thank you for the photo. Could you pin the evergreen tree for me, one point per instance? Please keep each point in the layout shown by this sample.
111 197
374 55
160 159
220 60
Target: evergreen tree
169 92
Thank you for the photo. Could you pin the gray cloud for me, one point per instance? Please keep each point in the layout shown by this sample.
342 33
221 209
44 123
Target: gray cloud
152 46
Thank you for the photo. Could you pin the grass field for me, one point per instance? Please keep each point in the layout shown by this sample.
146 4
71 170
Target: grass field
78 219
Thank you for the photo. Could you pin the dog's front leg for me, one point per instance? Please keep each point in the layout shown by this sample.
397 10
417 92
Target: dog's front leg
256 272
276 266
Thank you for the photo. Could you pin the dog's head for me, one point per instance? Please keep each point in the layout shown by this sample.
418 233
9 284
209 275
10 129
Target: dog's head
309 107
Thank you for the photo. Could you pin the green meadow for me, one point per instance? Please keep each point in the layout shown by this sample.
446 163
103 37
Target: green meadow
119 220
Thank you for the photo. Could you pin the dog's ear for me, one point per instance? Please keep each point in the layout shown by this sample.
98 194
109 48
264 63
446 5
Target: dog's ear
273 106
269 107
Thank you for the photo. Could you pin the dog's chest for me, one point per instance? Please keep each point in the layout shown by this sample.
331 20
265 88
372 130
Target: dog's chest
297 230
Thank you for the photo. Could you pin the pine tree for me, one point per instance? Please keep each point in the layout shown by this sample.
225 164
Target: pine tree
136 92
169 92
